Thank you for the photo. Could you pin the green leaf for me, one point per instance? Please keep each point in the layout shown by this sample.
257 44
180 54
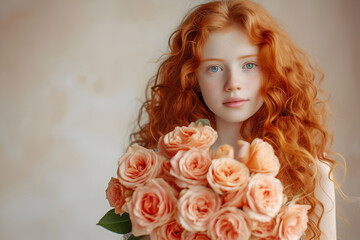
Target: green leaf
132 237
116 223
203 121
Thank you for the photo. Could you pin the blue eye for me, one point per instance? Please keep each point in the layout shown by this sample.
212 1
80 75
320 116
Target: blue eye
250 66
214 69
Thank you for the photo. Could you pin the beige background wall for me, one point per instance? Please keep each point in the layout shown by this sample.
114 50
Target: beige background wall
72 75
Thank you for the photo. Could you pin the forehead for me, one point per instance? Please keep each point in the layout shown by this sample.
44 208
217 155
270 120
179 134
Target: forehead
228 41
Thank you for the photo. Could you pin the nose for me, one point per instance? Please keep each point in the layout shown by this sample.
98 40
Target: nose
232 82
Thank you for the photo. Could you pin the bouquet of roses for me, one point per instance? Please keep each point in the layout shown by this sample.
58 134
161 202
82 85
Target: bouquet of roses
186 191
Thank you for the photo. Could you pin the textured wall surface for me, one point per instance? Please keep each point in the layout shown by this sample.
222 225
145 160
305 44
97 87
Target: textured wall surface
72 77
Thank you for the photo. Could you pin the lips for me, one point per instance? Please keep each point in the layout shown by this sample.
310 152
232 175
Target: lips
234 102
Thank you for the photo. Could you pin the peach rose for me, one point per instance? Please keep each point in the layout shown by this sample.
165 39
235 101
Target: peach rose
227 174
252 237
225 150
194 236
264 197
243 153
196 206
229 223
293 221
166 166
151 206
235 198
170 179
190 167
183 138
116 194
169 231
264 230
262 158
138 165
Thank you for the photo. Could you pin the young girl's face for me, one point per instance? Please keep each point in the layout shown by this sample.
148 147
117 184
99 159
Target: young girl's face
229 75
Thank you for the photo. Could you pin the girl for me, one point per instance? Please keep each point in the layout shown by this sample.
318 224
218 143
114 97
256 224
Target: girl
231 63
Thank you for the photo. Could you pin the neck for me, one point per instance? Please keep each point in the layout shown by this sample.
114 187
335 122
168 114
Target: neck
228 133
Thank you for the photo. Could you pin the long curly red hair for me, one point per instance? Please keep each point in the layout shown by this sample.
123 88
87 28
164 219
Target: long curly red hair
292 117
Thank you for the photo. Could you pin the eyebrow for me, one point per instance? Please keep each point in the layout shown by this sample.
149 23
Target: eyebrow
221 60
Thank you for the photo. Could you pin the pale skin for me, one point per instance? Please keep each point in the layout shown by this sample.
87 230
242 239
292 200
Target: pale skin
230 80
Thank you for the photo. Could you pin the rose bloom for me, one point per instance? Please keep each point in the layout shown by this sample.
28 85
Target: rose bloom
243 152
184 138
116 194
194 236
264 197
169 231
170 179
225 150
264 230
166 166
151 206
293 221
227 174
252 237
190 167
262 158
235 198
229 223
138 165
196 207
